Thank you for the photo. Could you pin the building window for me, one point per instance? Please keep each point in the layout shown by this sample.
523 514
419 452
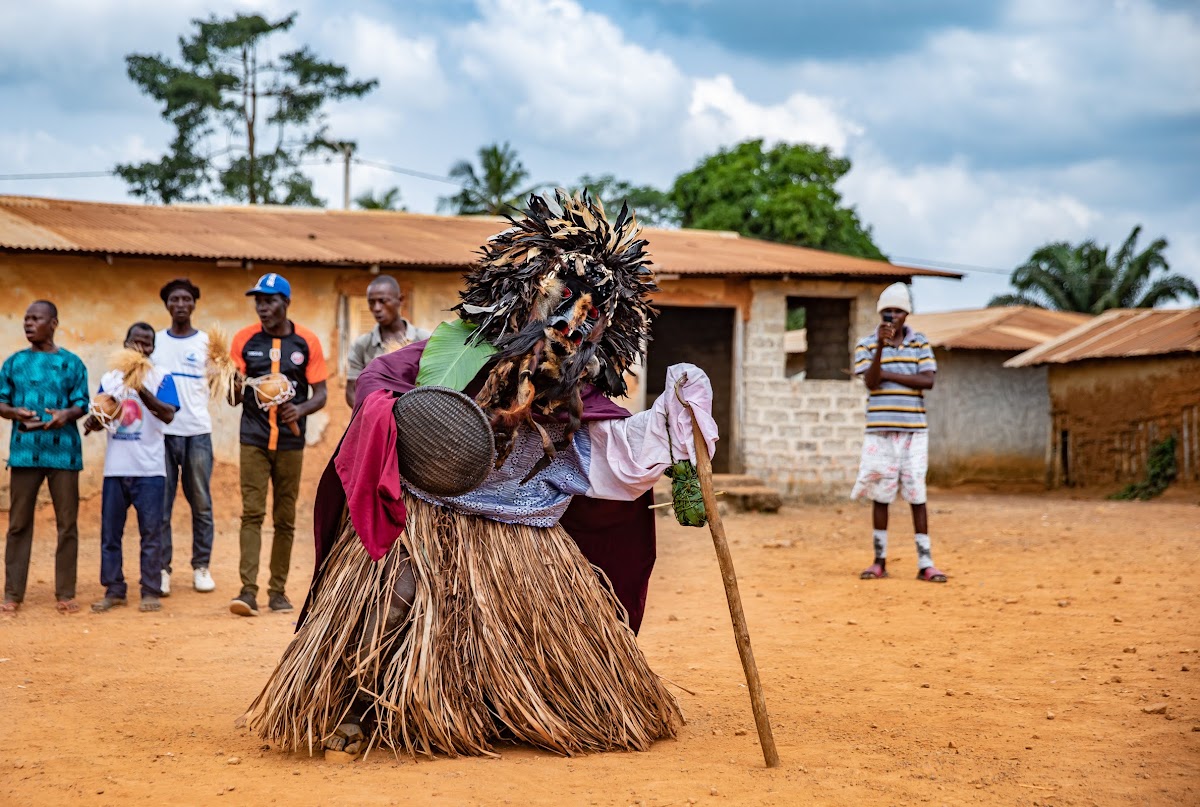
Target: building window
818 338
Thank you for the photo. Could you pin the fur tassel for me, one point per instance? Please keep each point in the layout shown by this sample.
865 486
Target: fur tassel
134 366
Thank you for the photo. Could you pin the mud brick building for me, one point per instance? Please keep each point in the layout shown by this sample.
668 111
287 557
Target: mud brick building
987 422
724 303
1119 384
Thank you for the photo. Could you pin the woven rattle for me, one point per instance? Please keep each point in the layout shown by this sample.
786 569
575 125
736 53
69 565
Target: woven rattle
272 390
106 409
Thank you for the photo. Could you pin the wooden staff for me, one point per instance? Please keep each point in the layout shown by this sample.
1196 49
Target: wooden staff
741 633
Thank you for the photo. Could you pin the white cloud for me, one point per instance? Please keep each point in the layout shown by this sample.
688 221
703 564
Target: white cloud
719 114
410 75
950 213
570 75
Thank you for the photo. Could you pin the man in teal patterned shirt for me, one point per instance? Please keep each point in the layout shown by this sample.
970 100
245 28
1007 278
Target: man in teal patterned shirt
43 391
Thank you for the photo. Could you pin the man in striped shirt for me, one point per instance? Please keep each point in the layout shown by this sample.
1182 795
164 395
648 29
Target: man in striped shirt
897 365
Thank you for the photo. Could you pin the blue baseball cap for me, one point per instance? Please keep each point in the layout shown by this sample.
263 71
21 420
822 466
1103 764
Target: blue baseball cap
272 284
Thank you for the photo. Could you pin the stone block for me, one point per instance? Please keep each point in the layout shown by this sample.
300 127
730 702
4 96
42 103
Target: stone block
818 402
834 417
820 431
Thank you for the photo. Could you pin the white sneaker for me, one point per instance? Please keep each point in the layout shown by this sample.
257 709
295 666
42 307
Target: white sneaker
202 580
165 585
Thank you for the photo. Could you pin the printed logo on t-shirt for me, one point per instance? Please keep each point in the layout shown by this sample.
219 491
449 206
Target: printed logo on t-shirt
192 358
129 427
275 354
255 353
297 358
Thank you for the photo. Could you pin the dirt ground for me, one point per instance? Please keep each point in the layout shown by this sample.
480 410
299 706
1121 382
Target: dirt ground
1058 666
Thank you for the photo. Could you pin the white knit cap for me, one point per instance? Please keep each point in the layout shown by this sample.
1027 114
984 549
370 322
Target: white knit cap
895 296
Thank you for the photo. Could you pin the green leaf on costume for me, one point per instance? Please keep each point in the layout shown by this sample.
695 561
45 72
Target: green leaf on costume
448 361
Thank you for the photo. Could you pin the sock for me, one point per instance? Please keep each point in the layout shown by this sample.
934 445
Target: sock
924 551
880 539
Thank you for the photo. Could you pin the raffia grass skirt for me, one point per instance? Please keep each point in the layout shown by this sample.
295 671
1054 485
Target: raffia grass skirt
512 636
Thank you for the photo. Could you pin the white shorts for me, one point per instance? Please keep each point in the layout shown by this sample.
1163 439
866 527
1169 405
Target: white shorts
893 461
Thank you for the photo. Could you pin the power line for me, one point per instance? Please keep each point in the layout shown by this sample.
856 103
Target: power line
60 175
408 171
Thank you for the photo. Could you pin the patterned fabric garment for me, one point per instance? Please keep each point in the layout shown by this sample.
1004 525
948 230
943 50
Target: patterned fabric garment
542 500
895 407
893 461
41 381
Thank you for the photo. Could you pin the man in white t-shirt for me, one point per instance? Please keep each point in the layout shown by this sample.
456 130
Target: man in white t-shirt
134 468
182 351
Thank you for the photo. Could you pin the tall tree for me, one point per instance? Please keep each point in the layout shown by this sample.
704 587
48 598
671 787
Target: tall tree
385 200
785 193
491 190
1084 278
652 206
243 120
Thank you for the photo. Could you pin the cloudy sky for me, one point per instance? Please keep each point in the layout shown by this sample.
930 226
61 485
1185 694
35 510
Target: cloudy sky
978 130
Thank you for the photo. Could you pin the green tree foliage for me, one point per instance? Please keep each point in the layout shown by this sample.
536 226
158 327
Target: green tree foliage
387 200
785 193
266 114
1085 278
494 189
653 207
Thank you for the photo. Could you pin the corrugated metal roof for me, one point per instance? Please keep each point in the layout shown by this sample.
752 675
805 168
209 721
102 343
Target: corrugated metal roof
300 235
1001 328
1120 333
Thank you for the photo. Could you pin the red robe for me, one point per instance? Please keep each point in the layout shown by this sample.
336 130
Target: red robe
617 537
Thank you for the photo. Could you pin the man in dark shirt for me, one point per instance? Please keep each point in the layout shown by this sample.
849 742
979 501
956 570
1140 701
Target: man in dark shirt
43 391
272 436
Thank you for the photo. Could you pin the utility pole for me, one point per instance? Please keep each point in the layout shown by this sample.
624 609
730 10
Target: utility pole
346 149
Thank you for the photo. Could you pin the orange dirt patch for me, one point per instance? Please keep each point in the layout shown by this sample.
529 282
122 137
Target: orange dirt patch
1035 676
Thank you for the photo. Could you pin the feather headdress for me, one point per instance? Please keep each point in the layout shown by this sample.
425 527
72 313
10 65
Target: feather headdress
520 267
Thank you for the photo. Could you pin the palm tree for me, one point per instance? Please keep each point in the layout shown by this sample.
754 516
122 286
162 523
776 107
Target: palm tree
387 200
493 190
1083 278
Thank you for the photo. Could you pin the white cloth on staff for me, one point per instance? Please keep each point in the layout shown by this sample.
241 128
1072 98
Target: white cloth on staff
630 454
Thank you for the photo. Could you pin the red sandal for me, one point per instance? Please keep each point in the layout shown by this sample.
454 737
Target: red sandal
931 574
873 572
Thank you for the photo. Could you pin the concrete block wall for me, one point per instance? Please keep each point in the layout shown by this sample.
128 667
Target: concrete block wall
803 437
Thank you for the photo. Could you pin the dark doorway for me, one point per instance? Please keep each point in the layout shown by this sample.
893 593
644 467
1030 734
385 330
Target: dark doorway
827 338
703 337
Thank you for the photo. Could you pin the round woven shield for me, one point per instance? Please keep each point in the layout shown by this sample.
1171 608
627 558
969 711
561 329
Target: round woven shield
445 444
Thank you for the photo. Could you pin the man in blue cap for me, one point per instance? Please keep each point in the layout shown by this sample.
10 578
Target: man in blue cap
272 433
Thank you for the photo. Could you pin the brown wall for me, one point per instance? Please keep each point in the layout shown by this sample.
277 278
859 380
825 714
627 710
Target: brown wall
97 301
1115 410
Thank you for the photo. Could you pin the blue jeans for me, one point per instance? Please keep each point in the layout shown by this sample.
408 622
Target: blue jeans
194 457
145 493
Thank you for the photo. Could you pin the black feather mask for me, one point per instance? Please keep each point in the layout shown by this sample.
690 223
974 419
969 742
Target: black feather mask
536 274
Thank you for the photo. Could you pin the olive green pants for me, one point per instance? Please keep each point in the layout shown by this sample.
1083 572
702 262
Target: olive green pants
282 470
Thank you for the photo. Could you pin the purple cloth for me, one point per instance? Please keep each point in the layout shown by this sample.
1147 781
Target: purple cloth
368 469
617 537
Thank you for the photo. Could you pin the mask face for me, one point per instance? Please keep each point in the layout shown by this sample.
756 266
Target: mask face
571 277
571 308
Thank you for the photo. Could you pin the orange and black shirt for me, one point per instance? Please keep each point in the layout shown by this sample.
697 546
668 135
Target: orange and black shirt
298 356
